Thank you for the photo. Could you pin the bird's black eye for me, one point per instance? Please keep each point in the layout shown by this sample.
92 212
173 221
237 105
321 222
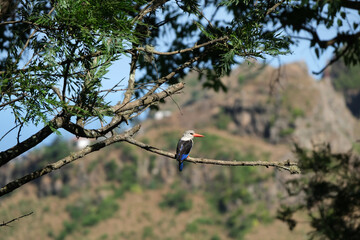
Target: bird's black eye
191 133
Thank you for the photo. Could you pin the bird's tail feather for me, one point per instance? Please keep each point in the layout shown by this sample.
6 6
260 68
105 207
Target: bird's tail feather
181 166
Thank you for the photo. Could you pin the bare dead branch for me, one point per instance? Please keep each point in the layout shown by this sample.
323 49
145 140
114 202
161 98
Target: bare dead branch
6 224
286 165
11 186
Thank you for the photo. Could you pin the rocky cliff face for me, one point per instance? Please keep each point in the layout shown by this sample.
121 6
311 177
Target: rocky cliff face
330 121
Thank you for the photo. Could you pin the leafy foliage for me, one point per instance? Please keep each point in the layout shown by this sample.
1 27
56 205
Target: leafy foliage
308 15
66 37
73 43
240 223
345 78
330 193
85 213
177 199
88 214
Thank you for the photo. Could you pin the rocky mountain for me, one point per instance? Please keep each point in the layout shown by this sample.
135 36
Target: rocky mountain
277 105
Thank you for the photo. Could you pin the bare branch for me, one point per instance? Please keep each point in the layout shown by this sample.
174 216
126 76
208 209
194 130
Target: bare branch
15 219
287 165
11 186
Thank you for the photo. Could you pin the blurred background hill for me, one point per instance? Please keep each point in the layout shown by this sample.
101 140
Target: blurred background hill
124 193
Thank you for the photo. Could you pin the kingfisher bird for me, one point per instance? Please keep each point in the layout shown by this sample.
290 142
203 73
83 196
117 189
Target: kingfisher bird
184 147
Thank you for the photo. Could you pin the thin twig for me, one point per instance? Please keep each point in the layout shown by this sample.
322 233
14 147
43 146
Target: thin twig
162 80
177 105
19 132
30 37
152 6
131 82
335 59
9 131
15 100
6 224
270 10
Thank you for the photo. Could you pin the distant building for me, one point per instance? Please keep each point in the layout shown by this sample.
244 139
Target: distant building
162 114
80 143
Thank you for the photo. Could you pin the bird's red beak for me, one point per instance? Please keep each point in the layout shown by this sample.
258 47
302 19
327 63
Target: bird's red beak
197 135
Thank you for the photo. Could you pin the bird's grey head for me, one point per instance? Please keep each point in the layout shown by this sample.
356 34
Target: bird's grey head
189 134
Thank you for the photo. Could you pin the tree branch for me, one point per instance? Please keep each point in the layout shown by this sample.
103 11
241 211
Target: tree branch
186 49
30 37
148 99
333 60
152 6
270 10
286 165
162 80
12 101
131 82
11 186
11 153
127 109
350 4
